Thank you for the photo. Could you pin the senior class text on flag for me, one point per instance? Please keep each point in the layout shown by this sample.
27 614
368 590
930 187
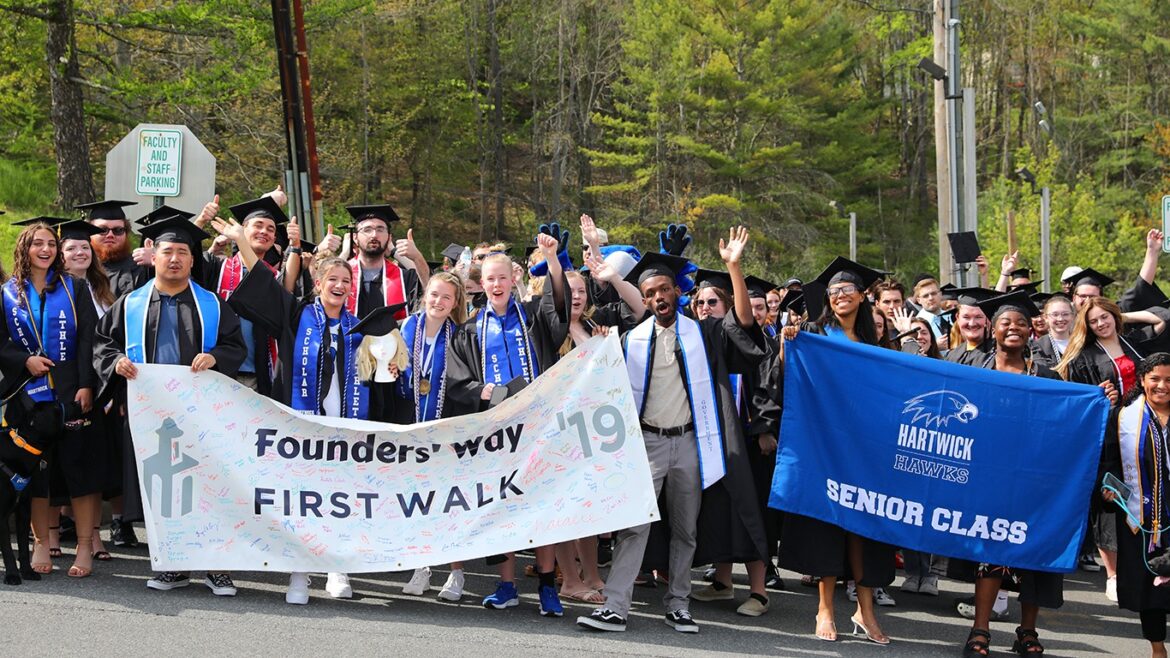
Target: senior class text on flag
938 457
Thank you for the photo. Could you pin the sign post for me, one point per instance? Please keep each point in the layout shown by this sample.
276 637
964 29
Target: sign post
1166 224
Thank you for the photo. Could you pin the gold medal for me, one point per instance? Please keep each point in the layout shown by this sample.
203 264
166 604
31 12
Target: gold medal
424 387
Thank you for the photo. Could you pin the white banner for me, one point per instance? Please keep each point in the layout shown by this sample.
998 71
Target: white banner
234 481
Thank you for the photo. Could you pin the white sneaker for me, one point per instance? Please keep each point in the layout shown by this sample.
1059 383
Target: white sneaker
419 583
1111 589
453 588
337 585
851 591
298 589
880 597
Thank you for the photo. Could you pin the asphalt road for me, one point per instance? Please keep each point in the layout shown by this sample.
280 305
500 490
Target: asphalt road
114 611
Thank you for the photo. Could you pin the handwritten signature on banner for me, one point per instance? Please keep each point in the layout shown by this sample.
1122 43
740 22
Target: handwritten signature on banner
276 490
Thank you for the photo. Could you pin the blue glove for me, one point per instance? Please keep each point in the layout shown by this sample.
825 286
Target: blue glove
562 237
674 240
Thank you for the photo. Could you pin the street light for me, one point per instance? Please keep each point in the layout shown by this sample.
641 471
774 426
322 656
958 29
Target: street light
840 208
1045 221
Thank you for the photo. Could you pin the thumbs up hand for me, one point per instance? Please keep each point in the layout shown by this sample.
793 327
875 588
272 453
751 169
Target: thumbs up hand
144 255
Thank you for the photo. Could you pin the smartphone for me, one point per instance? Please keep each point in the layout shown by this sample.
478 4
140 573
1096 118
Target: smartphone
1124 492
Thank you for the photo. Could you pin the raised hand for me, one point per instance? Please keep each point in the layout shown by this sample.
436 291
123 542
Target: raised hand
732 250
229 228
548 245
144 255
601 270
278 196
210 210
294 233
331 243
1154 240
674 240
1009 263
406 248
902 320
982 264
589 231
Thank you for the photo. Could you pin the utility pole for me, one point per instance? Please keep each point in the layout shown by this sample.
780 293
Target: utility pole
942 161
302 183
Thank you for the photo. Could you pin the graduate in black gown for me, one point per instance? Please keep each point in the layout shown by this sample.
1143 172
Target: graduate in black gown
169 320
1011 325
46 355
974 341
505 346
812 546
112 244
1135 453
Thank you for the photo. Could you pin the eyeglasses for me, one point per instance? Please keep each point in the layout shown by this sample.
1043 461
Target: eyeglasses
117 230
843 290
714 301
373 230
1059 316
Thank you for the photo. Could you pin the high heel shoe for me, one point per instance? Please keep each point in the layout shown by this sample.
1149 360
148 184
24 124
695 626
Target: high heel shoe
77 571
876 639
42 568
830 628
55 551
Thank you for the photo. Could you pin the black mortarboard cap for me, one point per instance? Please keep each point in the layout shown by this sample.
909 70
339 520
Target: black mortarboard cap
1089 276
379 322
1017 300
1021 273
969 296
528 253
964 246
453 252
656 264
1041 298
434 265
793 301
1029 287
163 212
108 209
758 287
383 212
43 219
78 229
793 282
843 269
176 229
713 278
265 206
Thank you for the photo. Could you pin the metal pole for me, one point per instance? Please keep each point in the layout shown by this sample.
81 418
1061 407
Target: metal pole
942 162
853 236
953 119
1045 232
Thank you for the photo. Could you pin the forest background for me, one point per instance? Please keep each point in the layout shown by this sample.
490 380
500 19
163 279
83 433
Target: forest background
483 118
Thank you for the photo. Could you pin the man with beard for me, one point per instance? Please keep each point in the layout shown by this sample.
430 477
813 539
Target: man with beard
112 244
377 279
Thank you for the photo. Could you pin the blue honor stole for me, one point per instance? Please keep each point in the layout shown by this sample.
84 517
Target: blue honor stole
428 405
699 383
48 330
505 346
135 312
309 364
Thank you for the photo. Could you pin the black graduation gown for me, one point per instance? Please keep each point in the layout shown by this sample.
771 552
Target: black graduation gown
1135 584
125 275
1142 295
78 458
1044 351
969 357
261 299
1093 365
266 383
816 548
110 346
548 325
767 398
372 296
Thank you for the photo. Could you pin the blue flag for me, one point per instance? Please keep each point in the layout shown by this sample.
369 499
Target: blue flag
938 457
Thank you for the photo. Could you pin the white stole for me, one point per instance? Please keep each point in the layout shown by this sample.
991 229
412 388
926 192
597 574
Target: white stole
1132 424
699 383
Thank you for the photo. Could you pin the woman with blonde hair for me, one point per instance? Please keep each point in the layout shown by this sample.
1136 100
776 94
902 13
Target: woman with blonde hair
328 382
1101 353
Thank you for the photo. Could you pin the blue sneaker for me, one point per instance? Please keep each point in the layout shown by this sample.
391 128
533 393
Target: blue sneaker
505 596
550 603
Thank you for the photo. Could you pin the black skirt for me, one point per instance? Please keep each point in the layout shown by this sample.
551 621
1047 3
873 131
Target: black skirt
1041 588
75 466
722 536
815 548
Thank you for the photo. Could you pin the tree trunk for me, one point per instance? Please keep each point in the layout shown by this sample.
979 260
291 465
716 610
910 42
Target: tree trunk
497 115
67 110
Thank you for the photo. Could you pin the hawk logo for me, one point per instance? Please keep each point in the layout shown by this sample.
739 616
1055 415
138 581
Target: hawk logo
166 466
937 408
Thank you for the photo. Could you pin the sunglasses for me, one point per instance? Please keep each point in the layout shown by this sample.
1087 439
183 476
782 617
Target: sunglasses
708 302
118 230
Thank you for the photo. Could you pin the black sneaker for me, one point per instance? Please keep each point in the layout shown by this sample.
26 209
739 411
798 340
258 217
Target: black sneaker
603 619
775 582
220 584
681 621
1087 561
68 531
122 534
169 580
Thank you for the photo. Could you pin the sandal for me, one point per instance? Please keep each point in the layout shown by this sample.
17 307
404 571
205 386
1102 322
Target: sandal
1027 642
585 596
829 632
103 555
40 567
55 551
975 646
